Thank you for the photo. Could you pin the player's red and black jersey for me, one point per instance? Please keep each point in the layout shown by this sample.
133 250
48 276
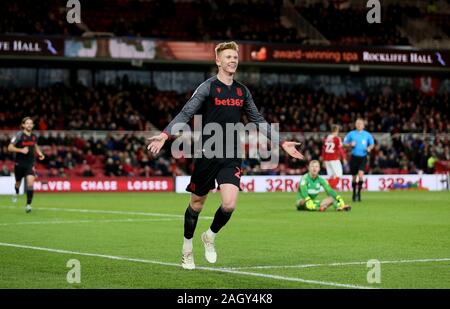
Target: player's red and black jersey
221 104
21 140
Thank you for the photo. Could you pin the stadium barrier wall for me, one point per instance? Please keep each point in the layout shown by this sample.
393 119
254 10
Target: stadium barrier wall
7 185
151 184
435 182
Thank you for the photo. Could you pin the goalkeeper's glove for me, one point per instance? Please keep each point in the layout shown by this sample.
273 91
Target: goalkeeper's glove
340 201
310 204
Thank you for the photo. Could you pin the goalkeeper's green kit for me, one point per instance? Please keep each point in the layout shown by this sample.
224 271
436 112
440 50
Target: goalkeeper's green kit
309 189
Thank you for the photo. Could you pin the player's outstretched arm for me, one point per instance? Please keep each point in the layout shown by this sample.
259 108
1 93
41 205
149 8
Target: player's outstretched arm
188 110
290 149
156 143
256 117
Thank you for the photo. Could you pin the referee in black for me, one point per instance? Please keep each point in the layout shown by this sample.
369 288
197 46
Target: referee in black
362 143
220 100
24 145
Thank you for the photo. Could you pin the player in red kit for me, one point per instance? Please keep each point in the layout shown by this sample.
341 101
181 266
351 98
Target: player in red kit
331 149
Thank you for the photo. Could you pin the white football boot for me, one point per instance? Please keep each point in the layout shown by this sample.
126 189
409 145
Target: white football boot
187 260
210 250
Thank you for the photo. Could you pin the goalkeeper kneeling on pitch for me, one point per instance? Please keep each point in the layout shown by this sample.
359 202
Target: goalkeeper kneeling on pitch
309 188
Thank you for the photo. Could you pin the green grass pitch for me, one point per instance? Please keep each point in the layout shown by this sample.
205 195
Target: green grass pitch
134 241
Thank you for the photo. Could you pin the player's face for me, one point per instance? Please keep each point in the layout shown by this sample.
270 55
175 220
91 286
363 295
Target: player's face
314 169
228 60
359 125
28 125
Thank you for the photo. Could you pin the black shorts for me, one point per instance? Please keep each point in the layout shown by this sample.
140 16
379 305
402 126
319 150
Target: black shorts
21 171
357 164
207 171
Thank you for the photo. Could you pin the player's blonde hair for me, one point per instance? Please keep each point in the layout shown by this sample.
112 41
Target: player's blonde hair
335 127
314 161
226 45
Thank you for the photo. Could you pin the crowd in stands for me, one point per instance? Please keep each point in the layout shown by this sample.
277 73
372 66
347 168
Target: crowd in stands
113 155
251 20
433 14
350 26
198 20
128 107
180 20
26 17
295 108
300 109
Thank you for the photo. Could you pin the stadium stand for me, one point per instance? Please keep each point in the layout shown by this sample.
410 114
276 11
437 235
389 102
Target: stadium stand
136 107
47 18
202 20
349 26
181 20
122 154
298 108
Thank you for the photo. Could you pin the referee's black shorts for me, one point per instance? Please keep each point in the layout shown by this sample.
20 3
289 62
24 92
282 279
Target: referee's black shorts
357 164
207 171
23 170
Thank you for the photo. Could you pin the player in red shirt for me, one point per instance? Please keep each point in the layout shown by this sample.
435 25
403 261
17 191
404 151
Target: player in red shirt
331 149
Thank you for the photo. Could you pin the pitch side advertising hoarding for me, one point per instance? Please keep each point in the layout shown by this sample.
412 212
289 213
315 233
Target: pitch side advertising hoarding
372 183
436 182
105 184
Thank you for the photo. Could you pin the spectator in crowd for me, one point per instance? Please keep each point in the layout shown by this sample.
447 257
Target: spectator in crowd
409 154
110 168
86 170
315 109
104 106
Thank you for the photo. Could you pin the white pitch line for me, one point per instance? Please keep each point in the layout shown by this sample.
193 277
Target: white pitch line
284 278
340 264
223 270
84 221
114 212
